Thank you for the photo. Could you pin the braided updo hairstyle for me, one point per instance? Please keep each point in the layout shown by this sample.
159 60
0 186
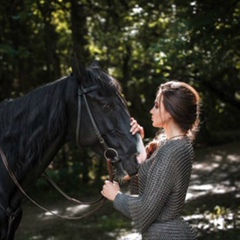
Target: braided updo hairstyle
182 102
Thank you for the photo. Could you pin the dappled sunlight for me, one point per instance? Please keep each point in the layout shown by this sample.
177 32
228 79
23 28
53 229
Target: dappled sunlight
75 210
205 166
196 191
69 211
215 171
214 190
131 236
123 234
49 214
219 218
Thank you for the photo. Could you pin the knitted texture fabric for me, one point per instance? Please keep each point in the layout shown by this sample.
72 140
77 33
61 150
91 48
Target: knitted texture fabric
133 185
163 180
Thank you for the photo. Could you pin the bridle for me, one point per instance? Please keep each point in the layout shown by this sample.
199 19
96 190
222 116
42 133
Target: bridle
110 154
107 151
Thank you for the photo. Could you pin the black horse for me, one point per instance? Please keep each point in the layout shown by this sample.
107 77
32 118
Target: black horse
86 107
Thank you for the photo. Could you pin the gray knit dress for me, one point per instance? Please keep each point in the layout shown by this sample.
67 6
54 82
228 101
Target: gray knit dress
163 183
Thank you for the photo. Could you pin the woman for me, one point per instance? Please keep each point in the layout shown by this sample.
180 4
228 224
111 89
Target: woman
163 178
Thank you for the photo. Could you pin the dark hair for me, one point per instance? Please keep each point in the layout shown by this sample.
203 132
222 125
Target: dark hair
183 104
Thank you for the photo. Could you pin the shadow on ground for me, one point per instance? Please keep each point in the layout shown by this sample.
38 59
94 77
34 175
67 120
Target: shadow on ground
212 206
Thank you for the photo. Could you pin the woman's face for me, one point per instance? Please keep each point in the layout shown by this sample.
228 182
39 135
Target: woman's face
160 116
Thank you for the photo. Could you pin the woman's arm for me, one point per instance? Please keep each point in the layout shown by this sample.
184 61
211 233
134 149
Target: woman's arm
146 208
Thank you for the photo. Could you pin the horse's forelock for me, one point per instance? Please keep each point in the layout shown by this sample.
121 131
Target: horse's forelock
108 83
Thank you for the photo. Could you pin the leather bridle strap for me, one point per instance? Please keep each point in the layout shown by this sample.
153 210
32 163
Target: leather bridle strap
111 177
82 93
98 134
68 197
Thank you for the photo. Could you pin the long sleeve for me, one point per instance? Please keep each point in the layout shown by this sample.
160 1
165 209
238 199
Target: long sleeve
134 188
146 208
121 203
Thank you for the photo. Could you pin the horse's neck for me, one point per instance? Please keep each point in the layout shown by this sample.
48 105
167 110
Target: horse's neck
47 156
35 172
34 130
47 122
38 141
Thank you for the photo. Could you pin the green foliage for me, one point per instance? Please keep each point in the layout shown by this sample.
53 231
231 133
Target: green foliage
142 44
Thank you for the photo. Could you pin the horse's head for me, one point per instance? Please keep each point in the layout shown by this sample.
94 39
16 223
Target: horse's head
104 121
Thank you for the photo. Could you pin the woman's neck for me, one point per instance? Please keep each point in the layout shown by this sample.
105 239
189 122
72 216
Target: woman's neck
174 132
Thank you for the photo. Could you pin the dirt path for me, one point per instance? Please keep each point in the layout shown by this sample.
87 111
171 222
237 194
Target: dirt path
216 170
213 202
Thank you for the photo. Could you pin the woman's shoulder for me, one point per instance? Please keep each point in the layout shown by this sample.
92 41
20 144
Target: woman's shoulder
183 143
176 148
171 149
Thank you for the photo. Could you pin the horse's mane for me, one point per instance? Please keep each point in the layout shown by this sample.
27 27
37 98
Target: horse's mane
28 120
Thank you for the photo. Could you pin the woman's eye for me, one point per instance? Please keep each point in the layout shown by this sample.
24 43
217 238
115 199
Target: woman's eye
156 105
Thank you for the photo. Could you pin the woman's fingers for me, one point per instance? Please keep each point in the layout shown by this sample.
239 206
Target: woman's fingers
135 128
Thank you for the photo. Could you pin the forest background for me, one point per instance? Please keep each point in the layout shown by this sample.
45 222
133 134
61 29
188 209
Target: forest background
142 44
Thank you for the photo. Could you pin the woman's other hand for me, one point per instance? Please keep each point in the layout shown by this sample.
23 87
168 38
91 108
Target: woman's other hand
135 127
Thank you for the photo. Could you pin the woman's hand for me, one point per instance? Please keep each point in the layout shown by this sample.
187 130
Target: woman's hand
135 127
110 190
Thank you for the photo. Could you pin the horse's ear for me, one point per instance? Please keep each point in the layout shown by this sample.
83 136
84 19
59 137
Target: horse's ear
95 64
78 69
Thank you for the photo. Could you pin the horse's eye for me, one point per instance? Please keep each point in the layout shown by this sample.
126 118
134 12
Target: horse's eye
107 106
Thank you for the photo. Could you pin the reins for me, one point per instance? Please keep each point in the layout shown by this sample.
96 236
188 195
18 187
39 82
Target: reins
11 174
111 177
